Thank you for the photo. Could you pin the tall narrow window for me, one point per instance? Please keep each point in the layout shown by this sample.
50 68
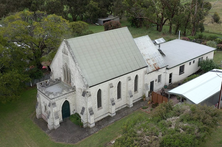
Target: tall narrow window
159 78
119 90
66 74
99 98
136 84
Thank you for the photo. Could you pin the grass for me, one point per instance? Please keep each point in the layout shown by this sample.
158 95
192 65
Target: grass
137 32
18 129
214 27
218 57
214 140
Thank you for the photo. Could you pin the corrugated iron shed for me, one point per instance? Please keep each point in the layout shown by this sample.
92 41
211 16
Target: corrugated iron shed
150 53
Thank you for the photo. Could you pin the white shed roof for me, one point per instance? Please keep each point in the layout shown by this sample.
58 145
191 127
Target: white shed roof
200 88
179 51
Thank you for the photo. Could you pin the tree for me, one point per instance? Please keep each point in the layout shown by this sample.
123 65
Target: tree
37 32
152 11
118 8
79 28
111 25
13 73
199 9
93 11
216 17
75 8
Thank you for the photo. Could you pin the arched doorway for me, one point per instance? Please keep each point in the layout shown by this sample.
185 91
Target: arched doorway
65 110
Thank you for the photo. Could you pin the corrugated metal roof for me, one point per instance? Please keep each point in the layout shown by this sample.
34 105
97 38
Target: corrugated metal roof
180 51
150 53
200 88
106 55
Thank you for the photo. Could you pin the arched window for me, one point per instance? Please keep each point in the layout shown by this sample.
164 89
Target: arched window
66 74
99 98
119 90
136 84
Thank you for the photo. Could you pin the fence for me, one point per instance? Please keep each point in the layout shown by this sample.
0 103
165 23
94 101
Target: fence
157 98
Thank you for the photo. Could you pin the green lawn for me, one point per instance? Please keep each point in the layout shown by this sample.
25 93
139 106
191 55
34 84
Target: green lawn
218 57
137 32
18 129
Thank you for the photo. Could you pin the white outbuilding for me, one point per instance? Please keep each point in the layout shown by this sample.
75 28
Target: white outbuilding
204 89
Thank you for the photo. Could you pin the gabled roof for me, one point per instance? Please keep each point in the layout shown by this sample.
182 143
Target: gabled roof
200 88
150 53
106 55
179 51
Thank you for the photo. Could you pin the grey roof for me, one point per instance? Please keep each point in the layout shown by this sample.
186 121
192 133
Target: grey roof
106 55
180 51
149 51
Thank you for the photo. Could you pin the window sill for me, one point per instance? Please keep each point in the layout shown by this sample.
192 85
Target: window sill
99 108
119 99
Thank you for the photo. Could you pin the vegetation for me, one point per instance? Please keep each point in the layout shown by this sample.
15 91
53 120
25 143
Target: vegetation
190 78
181 125
207 65
76 119
111 25
18 128
183 16
216 17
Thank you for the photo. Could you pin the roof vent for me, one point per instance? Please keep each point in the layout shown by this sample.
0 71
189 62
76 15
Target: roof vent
159 41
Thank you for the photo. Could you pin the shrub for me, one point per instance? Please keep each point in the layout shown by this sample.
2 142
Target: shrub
161 111
185 38
144 107
212 37
190 78
35 73
76 119
216 17
219 46
111 25
207 65
200 36
218 40
212 44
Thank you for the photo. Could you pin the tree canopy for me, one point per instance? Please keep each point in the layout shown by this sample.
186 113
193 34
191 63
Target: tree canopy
37 32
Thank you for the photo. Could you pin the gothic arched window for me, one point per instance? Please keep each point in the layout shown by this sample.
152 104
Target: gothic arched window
99 98
136 84
119 90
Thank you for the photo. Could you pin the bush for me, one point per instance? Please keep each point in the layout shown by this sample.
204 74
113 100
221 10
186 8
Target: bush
111 25
212 44
216 17
212 37
190 78
207 65
219 46
35 73
161 111
185 38
76 119
218 40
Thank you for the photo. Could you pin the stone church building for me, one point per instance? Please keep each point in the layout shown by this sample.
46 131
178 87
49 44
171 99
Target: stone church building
98 74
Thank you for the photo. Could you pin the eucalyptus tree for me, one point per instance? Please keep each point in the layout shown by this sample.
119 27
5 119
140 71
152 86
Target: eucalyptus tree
37 32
